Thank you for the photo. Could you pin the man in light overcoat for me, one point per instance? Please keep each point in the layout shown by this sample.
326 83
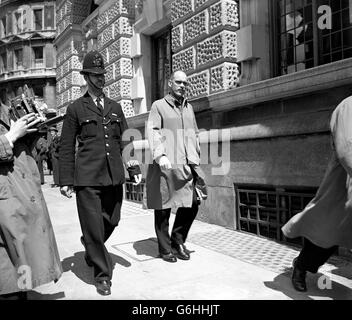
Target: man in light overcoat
173 138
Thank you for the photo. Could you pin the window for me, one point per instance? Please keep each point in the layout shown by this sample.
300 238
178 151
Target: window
310 36
38 59
18 22
38 19
49 17
18 61
161 64
3 27
3 62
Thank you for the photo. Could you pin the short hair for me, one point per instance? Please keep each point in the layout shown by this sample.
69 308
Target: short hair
173 74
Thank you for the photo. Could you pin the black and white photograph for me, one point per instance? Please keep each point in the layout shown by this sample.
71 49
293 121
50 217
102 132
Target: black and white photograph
175 156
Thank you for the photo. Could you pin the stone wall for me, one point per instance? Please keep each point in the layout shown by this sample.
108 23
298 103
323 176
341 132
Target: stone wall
114 28
204 44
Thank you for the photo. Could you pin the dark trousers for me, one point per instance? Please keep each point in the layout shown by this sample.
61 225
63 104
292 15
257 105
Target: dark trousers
99 213
55 165
182 225
312 256
41 170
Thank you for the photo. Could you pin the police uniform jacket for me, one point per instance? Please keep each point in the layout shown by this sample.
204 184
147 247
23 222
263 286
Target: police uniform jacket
97 160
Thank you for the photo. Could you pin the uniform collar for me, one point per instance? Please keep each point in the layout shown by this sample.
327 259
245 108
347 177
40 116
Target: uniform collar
174 102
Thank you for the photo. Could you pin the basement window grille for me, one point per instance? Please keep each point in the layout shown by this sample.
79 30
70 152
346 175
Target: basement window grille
263 211
134 192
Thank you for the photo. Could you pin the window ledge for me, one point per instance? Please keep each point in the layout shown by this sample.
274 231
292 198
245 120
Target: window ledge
323 77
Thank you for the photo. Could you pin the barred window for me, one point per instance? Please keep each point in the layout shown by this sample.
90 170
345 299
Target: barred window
18 61
313 32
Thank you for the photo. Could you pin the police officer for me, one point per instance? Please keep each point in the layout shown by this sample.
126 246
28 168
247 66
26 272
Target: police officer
95 169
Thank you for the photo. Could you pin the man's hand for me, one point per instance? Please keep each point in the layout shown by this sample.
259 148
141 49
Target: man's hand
164 163
22 126
137 179
66 191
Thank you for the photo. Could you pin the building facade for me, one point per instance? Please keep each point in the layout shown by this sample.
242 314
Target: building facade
27 53
268 73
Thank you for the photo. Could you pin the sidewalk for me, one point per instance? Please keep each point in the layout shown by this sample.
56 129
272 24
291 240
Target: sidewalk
224 265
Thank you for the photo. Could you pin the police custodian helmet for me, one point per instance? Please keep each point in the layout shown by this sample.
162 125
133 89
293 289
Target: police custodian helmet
93 63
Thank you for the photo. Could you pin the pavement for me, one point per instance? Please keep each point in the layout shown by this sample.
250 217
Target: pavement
224 264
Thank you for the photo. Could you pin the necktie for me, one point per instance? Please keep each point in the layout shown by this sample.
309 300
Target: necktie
99 105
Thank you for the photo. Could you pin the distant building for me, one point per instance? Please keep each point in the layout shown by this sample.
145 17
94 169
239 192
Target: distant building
27 54
269 71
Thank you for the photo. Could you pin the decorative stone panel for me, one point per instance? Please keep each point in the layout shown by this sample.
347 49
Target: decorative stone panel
177 37
199 3
122 27
123 68
77 78
180 8
109 76
120 89
224 13
196 26
198 84
106 37
102 20
127 108
224 77
184 60
76 93
75 63
105 54
121 47
222 45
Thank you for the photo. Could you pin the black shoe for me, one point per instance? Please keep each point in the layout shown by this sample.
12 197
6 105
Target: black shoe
103 287
168 257
86 258
180 252
298 278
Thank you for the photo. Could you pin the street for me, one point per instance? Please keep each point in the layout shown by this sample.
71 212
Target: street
224 264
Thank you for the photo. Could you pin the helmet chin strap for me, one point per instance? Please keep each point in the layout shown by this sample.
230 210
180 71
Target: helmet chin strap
97 91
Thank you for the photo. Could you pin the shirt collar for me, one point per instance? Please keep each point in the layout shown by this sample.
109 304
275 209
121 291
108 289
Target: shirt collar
95 97
174 102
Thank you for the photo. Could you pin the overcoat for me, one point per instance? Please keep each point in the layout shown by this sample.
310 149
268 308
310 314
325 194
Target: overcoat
172 131
98 160
327 219
28 251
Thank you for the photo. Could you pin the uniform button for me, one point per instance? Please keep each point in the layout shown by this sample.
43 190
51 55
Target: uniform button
105 127
108 153
33 198
107 144
106 136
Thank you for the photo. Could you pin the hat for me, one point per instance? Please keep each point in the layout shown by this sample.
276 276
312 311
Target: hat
93 62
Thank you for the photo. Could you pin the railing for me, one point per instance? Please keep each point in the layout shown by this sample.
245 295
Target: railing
264 211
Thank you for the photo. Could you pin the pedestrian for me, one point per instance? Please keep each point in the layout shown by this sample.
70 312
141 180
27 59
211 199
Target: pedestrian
28 250
95 171
326 222
54 148
170 183
40 155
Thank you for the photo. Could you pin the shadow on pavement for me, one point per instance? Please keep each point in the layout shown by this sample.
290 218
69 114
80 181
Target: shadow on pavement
147 247
34 295
333 290
78 266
